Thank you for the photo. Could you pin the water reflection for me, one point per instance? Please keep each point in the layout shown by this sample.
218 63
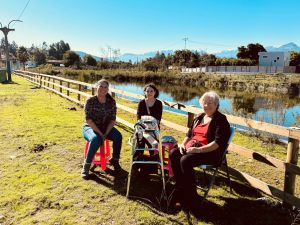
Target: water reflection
244 104
276 108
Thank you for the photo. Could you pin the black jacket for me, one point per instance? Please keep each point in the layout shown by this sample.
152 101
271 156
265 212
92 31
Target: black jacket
218 130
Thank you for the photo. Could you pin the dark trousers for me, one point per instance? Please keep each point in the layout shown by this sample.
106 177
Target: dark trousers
183 169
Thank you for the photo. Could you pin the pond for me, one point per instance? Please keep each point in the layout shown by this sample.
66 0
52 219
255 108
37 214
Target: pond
276 108
273 108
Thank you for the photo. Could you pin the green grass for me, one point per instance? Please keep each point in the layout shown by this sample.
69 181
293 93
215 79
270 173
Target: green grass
45 187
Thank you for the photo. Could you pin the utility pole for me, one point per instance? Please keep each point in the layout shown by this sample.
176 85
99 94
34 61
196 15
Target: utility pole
109 53
5 31
185 40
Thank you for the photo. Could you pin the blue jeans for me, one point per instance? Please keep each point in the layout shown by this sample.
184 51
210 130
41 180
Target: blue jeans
96 141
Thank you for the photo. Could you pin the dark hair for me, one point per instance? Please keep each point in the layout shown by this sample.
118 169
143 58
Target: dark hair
152 86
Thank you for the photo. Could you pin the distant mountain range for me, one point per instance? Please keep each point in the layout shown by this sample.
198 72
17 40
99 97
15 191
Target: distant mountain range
283 48
82 54
226 53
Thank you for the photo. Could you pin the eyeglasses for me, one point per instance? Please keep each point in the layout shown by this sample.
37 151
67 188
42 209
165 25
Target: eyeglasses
103 87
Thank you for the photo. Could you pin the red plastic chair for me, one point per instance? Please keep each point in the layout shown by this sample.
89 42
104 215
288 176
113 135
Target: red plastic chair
167 146
102 155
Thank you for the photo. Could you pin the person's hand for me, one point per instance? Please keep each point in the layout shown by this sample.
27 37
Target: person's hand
104 136
182 149
192 150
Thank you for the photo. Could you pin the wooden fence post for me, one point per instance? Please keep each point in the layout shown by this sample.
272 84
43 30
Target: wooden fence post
40 81
68 92
113 94
60 88
79 89
48 81
53 84
190 119
291 157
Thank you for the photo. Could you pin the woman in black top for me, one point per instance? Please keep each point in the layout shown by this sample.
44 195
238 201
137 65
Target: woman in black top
154 105
204 143
149 106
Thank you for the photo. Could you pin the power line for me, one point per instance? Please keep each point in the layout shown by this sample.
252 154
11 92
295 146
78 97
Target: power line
24 9
21 14
185 40
171 45
211 44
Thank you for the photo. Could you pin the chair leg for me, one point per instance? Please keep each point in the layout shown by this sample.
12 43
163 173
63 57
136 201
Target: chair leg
211 183
228 176
130 170
128 182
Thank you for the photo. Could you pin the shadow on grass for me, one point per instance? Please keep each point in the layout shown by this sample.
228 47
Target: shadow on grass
139 190
11 82
221 180
146 190
242 212
111 179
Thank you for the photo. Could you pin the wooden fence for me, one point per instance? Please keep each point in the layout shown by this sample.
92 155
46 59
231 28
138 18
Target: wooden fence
289 167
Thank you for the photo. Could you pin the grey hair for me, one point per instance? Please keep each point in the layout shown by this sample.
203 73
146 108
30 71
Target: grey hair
98 83
212 95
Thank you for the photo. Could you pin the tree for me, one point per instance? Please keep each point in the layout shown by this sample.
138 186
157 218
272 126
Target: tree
89 60
242 53
22 55
207 59
57 50
12 48
150 65
295 59
194 60
39 57
71 58
103 65
182 57
251 52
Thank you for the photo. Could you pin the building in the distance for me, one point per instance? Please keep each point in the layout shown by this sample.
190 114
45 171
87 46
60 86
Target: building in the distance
277 59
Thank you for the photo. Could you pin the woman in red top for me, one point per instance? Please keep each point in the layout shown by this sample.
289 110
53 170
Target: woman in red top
204 143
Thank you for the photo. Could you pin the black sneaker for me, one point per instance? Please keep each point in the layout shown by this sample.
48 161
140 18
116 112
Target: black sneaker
115 164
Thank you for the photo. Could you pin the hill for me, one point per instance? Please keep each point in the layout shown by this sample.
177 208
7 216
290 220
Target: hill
126 57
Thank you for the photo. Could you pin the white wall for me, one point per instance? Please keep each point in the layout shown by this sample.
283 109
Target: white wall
241 69
274 59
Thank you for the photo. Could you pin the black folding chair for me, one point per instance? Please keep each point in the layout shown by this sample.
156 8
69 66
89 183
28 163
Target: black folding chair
215 168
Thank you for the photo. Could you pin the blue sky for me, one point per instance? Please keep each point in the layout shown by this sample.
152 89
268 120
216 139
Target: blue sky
139 26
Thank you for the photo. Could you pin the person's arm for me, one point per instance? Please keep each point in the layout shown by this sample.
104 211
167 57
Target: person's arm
92 125
89 113
159 110
112 122
212 146
181 147
139 110
109 127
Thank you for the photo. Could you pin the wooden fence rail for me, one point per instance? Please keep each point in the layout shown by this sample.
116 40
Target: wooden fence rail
293 134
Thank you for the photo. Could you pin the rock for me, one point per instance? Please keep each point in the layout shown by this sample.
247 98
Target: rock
12 157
